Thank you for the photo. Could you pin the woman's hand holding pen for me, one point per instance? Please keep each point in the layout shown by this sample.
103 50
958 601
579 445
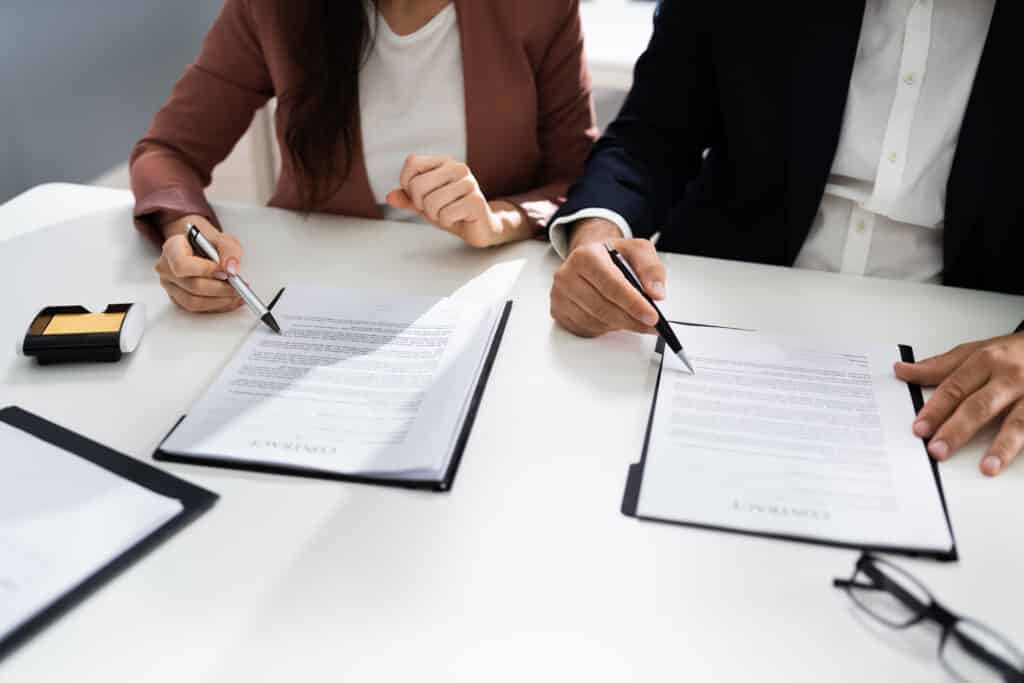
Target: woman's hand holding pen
194 283
444 192
590 296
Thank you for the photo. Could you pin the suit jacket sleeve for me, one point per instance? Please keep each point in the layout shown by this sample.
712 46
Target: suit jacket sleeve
210 108
640 167
1020 328
567 128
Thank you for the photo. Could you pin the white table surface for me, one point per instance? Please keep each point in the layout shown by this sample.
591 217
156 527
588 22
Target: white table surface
53 203
526 570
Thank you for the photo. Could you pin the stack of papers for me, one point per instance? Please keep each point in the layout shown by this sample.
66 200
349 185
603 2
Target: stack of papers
364 384
786 436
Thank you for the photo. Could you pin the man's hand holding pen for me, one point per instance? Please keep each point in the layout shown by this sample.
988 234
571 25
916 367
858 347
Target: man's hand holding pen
590 297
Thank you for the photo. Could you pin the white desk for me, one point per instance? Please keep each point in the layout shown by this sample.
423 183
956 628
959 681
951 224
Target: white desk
53 203
526 570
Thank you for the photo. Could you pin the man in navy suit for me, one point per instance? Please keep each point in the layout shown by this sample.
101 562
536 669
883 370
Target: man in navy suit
876 137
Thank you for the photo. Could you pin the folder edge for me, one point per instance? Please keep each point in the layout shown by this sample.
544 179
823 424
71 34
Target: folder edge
195 502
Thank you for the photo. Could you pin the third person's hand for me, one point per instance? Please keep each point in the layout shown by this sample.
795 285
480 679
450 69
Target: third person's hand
978 383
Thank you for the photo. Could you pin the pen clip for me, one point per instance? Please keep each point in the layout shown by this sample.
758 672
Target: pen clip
628 272
201 246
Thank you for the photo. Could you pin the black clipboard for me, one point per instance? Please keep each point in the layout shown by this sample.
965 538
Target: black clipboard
635 477
444 484
194 500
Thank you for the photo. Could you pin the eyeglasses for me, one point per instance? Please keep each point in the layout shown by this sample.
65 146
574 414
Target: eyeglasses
970 651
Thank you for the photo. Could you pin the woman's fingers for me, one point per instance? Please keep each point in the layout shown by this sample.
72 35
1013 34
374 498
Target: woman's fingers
199 304
230 251
445 193
201 286
416 164
429 181
399 200
443 196
422 173
182 262
453 217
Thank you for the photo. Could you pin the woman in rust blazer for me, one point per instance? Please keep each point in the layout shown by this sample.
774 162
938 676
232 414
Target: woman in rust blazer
491 97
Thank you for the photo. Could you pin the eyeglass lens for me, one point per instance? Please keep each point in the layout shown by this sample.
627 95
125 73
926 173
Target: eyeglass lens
970 651
888 593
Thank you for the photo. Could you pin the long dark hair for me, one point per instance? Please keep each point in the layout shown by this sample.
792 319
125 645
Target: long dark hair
327 41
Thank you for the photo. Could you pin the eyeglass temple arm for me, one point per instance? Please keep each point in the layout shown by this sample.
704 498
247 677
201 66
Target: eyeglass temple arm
1010 673
848 583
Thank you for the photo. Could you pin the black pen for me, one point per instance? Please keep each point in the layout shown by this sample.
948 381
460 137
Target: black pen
664 329
202 247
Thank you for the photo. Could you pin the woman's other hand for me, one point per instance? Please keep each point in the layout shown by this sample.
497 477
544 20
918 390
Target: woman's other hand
444 192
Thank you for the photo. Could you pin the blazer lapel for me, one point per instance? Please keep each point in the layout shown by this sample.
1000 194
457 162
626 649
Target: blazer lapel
824 48
464 10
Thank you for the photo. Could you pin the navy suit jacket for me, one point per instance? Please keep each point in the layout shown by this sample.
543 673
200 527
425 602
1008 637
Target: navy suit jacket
763 90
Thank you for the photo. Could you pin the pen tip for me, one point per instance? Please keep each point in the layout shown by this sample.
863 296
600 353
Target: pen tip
685 361
271 323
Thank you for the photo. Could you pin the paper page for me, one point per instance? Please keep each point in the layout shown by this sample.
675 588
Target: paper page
360 382
791 436
62 518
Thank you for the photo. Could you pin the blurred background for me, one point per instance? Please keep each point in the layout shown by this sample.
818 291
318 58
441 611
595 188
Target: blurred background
81 82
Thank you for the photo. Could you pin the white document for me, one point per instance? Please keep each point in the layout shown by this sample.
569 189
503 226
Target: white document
793 437
62 519
364 383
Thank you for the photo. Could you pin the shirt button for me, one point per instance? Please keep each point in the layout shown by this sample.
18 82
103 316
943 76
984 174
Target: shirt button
909 78
892 157
861 227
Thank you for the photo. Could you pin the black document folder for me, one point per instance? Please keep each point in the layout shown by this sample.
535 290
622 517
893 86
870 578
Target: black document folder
194 501
444 483
636 473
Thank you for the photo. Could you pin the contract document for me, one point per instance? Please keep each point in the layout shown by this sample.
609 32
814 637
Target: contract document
791 437
360 384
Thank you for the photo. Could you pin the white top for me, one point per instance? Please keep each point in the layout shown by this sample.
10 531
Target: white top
411 101
883 207
882 213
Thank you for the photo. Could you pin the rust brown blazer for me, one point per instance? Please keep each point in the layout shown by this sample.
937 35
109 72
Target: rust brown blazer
529 118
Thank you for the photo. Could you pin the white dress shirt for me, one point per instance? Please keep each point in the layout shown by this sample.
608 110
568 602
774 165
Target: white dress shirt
882 211
411 101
